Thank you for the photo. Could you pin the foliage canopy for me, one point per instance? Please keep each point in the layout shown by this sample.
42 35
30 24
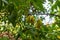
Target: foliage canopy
12 13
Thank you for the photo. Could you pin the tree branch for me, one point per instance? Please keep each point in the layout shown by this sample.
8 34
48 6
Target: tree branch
47 14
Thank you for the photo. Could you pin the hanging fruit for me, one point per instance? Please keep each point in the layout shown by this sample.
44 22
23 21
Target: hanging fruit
38 24
30 19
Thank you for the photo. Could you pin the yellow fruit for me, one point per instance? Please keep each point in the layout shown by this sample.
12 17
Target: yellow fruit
30 19
38 23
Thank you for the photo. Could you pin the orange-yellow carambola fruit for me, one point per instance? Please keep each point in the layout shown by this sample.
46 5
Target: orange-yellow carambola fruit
38 23
30 19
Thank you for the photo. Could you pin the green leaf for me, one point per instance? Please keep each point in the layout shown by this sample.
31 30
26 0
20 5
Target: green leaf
5 1
55 5
58 3
10 7
0 5
4 38
38 4
51 1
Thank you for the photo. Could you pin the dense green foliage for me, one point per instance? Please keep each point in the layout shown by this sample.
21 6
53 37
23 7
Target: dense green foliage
4 38
31 28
